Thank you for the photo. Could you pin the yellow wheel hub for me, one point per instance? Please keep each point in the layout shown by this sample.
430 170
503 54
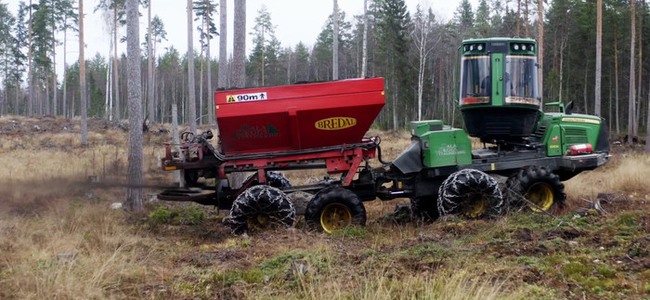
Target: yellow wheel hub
335 216
476 208
258 221
540 194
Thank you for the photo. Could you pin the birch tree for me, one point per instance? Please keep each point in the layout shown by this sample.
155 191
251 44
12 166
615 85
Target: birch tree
335 43
421 37
364 50
150 63
82 78
191 99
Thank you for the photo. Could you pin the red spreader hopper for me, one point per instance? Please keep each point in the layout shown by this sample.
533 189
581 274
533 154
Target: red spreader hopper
299 116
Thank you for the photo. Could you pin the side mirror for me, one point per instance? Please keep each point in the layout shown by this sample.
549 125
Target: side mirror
569 108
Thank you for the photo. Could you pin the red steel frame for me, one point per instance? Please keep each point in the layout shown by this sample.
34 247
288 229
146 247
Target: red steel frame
340 159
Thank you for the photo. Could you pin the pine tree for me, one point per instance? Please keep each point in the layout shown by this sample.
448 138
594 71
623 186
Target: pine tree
204 10
265 47
393 21
239 47
7 43
135 175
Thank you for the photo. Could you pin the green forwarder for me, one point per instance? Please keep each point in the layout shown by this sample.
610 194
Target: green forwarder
499 98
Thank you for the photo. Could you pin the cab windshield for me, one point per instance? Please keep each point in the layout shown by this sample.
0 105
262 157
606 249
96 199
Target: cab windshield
520 80
476 86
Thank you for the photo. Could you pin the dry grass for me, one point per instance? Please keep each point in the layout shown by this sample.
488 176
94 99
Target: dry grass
627 173
60 240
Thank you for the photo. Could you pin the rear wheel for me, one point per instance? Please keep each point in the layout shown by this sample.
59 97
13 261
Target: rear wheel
334 208
261 206
470 193
425 208
537 187
191 178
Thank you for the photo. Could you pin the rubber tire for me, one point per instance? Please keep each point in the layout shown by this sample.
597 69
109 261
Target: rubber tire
277 180
461 188
191 178
425 208
334 195
261 200
520 183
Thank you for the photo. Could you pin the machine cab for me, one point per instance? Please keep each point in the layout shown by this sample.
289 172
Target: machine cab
498 92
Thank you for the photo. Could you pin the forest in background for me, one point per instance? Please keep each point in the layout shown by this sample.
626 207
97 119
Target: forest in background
415 50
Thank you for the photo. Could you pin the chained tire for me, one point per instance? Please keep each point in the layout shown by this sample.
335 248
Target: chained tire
470 193
261 206
334 208
277 180
425 208
536 187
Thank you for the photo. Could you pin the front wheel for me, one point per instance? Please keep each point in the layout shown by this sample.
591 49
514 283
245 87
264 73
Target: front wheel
537 187
334 208
470 193
260 207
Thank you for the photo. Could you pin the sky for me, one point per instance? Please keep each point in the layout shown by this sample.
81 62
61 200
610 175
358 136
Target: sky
295 21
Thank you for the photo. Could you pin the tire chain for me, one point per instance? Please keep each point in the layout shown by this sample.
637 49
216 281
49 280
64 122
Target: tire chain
466 183
261 199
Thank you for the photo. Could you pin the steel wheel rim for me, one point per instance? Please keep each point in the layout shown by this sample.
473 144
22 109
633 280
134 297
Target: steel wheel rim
259 221
540 194
335 216
476 207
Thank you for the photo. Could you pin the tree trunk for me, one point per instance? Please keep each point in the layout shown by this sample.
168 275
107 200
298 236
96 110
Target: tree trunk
223 50
599 56
53 74
518 18
526 18
239 49
135 177
647 125
30 65
335 43
65 73
632 91
618 115
540 48
223 45
108 99
151 89
364 55
191 99
637 118
116 69
82 78
585 97
210 99
201 69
